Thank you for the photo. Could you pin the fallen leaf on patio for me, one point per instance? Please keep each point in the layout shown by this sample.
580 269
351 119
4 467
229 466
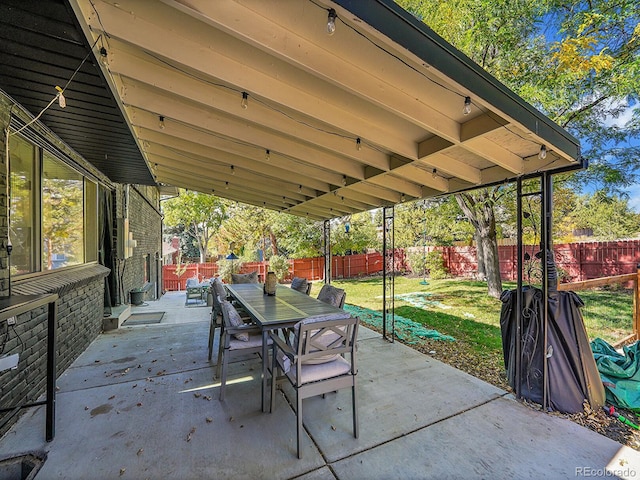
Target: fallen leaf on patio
115 346
241 426
332 427
139 366
339 408
231 419
117 412
207 397
149 369
190 434
140 452
96 361
86 408
112 397
197 395
154 361
160 373
139 404
209 419
135 386
57 389
122 470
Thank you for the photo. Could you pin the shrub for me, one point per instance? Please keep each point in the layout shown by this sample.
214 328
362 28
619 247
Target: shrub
434 264
417 263
279 265
227 267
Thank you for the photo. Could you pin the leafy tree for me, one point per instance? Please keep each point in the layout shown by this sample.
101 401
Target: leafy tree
583 74
609 217
201 214
361 234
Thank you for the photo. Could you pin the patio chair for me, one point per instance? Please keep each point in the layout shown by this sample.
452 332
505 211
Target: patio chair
332 295
236 337
194 290
316 363
301 285
219 294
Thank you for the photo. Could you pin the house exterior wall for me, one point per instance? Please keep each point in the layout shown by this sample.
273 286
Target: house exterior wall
145 223
81 289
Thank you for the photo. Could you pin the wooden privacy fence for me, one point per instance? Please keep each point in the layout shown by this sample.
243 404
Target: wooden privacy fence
578 261
633 278
347 266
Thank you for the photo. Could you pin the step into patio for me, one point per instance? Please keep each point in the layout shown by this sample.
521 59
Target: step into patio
117 317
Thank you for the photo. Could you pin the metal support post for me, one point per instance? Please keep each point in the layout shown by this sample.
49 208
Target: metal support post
547 249
388 272
327 251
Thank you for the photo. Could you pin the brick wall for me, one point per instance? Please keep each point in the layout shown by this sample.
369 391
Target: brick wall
145 222
79 321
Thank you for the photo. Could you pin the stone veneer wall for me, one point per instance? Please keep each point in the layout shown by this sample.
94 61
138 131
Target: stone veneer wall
79 321
145 223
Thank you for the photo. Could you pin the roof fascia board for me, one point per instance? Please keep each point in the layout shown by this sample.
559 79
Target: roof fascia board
394 22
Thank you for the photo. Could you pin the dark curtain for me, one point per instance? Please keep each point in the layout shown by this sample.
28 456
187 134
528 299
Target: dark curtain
105 247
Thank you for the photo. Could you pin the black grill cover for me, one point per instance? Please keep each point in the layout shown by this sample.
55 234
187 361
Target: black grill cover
572 372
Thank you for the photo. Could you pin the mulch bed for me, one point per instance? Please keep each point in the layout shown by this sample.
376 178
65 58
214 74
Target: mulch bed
489 367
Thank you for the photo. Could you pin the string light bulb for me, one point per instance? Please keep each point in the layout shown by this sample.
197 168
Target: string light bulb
542 154
245 100
61 100
344 180
358 144
466 110
267 154
434 173
331 21
233 170
103 57
226 185
402 198
161 122
299 188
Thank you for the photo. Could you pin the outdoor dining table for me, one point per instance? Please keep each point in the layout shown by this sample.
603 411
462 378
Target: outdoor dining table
273 312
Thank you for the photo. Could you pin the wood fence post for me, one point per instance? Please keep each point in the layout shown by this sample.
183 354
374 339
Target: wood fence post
636 302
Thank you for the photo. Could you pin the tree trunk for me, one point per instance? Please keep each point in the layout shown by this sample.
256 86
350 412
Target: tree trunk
479 210
482 270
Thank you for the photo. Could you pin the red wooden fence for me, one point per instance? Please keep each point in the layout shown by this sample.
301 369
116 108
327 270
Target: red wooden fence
580 261
347 266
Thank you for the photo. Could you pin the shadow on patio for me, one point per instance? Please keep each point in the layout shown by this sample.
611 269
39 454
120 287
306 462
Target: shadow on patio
141 402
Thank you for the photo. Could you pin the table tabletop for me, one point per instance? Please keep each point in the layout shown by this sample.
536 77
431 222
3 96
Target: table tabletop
285 308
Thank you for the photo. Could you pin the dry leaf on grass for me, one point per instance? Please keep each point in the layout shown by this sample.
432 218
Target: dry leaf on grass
190 434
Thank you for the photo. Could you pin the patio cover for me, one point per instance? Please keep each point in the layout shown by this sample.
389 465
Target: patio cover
334 124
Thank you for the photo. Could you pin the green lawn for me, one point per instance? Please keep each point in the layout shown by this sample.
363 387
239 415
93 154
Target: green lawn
462 308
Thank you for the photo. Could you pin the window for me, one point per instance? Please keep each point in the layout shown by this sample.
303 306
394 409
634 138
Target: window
23 213
62 214
53 218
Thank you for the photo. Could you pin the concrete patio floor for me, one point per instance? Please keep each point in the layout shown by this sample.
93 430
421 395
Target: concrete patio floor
142 402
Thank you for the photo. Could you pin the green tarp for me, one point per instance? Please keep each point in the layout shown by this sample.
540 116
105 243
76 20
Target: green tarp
620 373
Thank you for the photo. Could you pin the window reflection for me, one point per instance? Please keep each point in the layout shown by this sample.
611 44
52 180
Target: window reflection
62 215
22 215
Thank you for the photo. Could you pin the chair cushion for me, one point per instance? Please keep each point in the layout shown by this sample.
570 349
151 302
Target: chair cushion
253 341
314 372
219 289
244 277
235 320
326 339
331 295
299 284
192 282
